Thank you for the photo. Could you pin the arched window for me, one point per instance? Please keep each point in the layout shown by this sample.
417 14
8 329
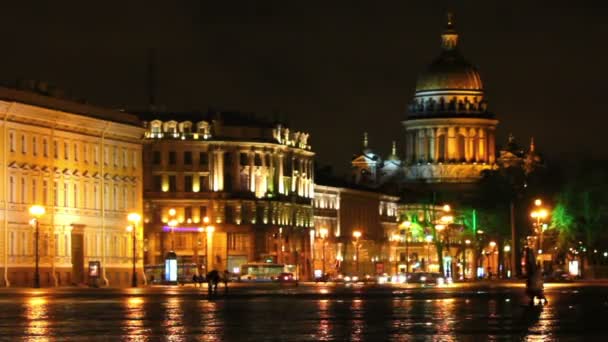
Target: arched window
441 151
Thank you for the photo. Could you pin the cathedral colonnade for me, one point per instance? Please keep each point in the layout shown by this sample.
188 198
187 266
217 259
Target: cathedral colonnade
458 140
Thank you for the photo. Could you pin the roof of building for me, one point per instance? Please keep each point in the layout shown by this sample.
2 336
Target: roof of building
33 98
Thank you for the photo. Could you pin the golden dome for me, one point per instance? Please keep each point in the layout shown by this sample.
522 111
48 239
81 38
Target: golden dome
450 71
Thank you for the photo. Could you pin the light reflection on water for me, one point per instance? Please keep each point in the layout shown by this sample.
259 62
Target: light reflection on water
173 323
36 314
321 317
134 319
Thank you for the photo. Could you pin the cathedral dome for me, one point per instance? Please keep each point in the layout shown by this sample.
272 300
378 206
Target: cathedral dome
450 71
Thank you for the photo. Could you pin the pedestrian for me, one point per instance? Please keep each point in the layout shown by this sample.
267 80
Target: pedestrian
534 278
194 279
213 278
201 280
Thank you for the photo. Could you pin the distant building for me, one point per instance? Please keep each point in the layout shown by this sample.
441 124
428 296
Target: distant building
83 164
251 181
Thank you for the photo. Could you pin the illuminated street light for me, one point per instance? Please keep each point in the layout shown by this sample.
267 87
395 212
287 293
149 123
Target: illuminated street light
37 211
134 219
447 208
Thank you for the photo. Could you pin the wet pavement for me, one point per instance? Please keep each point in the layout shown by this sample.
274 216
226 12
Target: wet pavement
304 313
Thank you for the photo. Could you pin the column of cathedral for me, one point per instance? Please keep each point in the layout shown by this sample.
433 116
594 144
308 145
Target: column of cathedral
424 144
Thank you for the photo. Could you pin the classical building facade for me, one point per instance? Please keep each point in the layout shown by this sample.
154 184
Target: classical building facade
223 190
339 212
83 164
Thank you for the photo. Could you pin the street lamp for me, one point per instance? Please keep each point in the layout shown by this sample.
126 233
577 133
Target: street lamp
428 239
134 219
357 235
507 249
539 215
467 242
492 245
323 233
37 211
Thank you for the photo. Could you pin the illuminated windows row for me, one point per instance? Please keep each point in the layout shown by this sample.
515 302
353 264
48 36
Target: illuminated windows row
72 151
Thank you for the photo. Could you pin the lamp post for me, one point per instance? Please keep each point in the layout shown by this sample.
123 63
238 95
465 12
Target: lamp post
134 219
467 242
36 211
357 235
507 249
492 245
323 232
539 214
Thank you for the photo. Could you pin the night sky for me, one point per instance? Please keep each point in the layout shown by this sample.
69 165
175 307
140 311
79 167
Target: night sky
334 70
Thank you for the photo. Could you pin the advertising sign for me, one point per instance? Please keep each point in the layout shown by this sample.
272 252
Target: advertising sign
94 269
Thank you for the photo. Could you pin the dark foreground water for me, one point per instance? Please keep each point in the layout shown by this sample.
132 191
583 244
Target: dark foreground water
303 314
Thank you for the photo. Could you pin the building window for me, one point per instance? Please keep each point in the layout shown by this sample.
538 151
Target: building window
11 141
188 158
11 243
55 149
23 190
23 144
188 183
158 183
12 189
55 193
258 160
106 155
65 194
188 213
115 198
135 156
244 159
203 212
35 146
85 195
85 152
172 157
172 182
204 183
156 159
75 189
116 157
96 196
75 152
96 154
45 147
66 150
106 197
34 191
203 159
227 161
45 192
125 198
125 158
229 213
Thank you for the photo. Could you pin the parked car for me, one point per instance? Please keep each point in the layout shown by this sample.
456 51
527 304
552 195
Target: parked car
286 277
426 278
558 276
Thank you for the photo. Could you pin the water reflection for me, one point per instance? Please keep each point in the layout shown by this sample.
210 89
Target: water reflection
173 323
133 325
36 314
210 323
445 318
356 319
324 327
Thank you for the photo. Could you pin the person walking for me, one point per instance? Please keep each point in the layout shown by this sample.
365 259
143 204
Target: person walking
213 278
194 280
534 278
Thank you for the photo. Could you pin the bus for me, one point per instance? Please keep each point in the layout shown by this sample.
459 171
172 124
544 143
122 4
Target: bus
262 271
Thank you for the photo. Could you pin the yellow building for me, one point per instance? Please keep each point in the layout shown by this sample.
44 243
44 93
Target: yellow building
223 190
83 164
